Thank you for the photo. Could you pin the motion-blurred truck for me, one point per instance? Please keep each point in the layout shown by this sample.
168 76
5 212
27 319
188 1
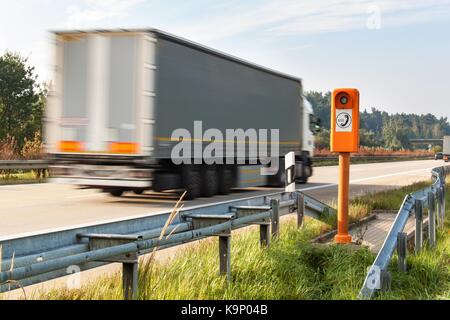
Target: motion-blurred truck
446 150
119 95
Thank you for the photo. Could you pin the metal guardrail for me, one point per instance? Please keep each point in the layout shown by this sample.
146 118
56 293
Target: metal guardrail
431 198
23 164
379 158
35 258
422 141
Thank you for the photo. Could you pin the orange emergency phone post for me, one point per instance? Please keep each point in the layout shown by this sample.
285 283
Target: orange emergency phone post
345 140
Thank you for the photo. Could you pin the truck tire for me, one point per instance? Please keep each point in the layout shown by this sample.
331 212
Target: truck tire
166 181
116 192
303 174
191 181
304 168
210 181
226 180
303 180
138 191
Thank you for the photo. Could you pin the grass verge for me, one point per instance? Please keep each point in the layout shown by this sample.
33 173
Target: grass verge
27 177
292 268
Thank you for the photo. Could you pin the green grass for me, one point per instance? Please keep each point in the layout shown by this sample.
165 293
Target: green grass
20 177
428 275
389 199
292 268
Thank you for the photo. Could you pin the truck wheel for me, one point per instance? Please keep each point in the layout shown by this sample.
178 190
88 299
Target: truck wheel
210 181
116 193
166 181
138 191
226 180
305 171
191 181
303 180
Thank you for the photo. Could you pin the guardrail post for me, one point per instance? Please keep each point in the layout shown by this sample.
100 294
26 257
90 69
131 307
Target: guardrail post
264 235
431 220
224 255
402 251
440 207
443 202
386 280
130 260
275 205
300 209
130 280
419 226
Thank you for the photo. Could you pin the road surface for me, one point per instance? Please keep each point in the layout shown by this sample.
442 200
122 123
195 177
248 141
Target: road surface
26 209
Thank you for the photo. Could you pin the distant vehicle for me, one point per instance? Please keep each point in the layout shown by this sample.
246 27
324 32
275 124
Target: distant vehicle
119 95
439 156
446 151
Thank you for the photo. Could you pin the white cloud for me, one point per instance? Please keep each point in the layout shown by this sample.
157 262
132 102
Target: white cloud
96 11
293 17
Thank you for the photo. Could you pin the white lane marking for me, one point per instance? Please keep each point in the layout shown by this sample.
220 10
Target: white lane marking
368 179
318 187
392 175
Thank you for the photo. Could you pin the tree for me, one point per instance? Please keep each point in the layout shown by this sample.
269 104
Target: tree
322 139
395 135
437 149
21 99
321 105
34 127
368 138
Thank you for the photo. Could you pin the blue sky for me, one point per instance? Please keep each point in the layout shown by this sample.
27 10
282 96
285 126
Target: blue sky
396 52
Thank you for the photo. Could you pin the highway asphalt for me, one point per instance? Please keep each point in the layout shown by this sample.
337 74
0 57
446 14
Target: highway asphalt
26 209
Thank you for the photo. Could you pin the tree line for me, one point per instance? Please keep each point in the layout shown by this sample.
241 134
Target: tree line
379 128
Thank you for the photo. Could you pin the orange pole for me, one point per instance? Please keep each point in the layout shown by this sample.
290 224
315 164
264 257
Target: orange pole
342 236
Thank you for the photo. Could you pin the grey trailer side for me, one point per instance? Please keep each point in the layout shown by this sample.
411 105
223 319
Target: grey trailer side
194 83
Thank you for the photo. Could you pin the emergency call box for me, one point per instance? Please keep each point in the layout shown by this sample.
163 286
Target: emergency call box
345 120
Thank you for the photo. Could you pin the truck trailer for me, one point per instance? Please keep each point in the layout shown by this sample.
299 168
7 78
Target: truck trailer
446 149
119 96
